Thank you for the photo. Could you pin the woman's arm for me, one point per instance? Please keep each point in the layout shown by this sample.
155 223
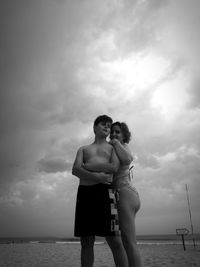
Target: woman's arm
123 152
107 167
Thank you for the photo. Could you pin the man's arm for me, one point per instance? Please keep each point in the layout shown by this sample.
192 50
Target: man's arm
86 175
107 167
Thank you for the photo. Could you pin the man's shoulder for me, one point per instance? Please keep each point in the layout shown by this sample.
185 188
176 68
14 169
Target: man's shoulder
85 147
108 145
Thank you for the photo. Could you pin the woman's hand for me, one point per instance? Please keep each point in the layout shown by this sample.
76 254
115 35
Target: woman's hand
114 141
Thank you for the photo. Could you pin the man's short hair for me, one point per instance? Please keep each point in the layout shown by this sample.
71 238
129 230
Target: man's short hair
102 118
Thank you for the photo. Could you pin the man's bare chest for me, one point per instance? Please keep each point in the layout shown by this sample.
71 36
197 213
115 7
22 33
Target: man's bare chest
97 152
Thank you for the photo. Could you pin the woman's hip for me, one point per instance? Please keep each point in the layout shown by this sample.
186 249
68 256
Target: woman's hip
129 196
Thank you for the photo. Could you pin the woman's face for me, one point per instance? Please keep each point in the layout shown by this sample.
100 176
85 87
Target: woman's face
116 133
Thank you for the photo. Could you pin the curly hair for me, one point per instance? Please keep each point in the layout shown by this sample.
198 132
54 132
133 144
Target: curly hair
125 131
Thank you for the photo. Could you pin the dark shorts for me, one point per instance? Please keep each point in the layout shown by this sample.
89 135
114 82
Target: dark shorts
96 211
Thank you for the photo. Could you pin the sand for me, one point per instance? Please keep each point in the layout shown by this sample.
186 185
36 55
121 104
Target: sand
60 255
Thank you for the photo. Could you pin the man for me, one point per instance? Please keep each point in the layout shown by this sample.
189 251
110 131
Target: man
96 212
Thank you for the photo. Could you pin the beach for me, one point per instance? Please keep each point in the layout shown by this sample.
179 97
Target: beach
68 254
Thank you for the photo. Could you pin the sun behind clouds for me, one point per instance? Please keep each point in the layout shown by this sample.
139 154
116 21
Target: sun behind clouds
129 75
171 97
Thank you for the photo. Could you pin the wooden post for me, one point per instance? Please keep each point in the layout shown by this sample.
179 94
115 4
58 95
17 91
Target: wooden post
183 241
190 214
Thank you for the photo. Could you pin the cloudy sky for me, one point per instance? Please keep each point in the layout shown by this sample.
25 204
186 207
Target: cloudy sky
63 63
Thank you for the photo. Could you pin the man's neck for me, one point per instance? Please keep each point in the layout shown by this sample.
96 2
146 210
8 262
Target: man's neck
99 140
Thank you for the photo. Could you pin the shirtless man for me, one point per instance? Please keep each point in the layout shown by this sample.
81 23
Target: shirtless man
96 211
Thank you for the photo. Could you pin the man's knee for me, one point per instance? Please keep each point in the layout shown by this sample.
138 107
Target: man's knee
87 241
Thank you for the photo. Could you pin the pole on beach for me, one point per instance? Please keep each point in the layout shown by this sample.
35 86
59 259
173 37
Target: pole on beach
182 232
183 240
190 214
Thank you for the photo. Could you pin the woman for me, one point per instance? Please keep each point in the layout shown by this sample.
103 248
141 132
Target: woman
129 202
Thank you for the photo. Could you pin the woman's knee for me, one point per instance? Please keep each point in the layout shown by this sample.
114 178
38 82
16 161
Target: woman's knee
114 242
128 236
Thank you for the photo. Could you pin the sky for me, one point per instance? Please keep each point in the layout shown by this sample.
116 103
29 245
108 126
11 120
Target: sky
63 63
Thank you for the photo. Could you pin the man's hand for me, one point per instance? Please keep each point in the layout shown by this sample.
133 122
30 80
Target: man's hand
105 178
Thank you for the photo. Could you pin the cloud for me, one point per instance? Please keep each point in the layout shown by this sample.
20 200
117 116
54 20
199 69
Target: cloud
53 165
139 28
43 206
194 101
63 64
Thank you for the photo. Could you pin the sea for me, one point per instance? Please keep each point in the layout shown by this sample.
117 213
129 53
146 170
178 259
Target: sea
170 239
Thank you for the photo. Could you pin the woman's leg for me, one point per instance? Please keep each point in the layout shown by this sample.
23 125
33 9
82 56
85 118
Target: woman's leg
129 204
118 251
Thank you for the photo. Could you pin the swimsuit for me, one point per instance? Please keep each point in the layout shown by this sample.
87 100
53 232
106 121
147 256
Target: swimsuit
124 181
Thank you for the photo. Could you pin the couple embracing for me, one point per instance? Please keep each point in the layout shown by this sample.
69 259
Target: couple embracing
107 202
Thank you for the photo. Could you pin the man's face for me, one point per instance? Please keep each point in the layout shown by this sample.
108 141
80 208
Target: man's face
102 128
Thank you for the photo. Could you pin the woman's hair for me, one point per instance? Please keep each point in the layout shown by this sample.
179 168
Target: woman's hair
125 131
